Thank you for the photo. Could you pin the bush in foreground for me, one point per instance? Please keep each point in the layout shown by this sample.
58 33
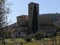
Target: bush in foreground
28 39
38 35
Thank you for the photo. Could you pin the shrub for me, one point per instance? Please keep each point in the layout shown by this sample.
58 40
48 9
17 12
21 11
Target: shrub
38 35
28 39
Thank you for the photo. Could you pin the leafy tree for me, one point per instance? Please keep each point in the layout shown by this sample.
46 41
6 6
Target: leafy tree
3 19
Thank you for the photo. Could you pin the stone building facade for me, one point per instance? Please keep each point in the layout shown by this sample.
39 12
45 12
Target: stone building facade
34 22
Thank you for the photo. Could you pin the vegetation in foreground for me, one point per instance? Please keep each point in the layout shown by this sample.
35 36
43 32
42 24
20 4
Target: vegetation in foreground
17 41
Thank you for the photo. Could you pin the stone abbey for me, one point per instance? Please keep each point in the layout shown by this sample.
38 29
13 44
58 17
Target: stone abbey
34 22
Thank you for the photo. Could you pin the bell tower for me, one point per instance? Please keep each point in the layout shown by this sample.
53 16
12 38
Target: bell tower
33 14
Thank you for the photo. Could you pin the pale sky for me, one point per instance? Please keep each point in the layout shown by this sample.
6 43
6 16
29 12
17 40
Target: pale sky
20 7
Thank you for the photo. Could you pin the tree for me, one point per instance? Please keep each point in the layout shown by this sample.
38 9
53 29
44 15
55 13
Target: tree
3 19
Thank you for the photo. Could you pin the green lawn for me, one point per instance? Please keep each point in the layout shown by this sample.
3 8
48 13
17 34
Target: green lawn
46 41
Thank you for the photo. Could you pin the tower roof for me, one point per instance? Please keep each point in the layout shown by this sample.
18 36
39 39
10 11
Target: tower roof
33 3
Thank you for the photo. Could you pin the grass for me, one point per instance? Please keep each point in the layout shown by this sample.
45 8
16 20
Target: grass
46 41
